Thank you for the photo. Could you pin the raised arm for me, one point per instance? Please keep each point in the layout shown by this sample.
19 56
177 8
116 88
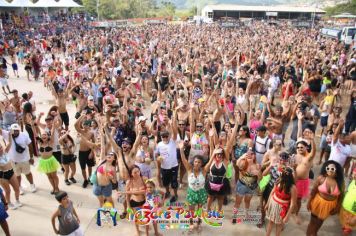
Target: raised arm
78 123
231 141
183 157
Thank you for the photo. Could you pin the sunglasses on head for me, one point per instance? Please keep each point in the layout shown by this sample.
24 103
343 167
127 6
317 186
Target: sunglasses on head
331 169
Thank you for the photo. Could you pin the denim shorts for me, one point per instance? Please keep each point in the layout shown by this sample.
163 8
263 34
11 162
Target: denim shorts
105 191
242 189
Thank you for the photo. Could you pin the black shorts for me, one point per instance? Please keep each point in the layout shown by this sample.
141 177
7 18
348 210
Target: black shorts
6 174
67 159
58 156
170 176
84 159
65 118
267 192
133 203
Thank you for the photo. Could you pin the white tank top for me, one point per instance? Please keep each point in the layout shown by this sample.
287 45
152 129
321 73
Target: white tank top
353 149
196 183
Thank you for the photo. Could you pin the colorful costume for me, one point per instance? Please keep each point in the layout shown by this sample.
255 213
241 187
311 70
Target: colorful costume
48 165
348 208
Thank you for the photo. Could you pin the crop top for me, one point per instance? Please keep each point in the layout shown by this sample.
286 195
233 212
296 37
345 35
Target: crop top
323 189
281 194
102 170
46 149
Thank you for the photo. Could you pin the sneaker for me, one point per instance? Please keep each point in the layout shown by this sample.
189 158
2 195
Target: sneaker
90 182
21 191
173 199
12 206
17 204
67 182
73 180
33 188
85 183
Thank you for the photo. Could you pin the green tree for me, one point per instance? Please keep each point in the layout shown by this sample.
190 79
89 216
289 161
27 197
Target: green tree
90 6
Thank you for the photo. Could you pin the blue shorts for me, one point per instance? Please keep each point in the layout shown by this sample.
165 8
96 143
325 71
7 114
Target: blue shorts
242 189
323 143
105 191
324 121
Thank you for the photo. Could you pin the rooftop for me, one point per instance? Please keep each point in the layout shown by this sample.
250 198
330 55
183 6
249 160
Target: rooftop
281 8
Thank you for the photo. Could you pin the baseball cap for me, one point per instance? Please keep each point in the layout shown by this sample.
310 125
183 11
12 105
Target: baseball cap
127 140
60 195
15 127
90 98
261 128
197 81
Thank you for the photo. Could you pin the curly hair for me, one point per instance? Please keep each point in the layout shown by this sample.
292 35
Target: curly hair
339 173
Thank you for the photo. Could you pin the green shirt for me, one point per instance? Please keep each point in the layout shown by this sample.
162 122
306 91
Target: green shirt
349 202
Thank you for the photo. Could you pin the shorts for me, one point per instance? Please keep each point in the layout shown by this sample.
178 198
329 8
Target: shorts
3 82
3 213
170 176
68 159
324 121
135 204
105 191
65 118
58 156
21 168
14 66
6 174
77 232
84 159
242 189
302 188
267 192
323 143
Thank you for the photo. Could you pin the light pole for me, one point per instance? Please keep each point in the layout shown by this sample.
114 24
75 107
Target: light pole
97 9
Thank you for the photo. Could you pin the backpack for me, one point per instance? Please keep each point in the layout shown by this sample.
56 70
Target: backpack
265 145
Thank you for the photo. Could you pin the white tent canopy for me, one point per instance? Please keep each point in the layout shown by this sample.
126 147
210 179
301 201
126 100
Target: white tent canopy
4 3
65 3
22 3
46 3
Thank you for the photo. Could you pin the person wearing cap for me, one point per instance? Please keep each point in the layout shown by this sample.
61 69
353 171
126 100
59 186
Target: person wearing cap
67 216
91 107
167 162
126 156
143 126
61 97
303 164
85 159
262 143
19 154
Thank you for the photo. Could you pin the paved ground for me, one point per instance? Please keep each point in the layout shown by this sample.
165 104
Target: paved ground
33 219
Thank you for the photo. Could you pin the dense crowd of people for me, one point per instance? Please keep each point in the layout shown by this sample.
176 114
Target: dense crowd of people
204 110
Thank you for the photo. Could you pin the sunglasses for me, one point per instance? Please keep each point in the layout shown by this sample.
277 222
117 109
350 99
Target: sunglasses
199 126
331 169
165 136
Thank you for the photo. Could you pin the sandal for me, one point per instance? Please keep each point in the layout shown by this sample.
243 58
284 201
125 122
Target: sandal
123 215
52 192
